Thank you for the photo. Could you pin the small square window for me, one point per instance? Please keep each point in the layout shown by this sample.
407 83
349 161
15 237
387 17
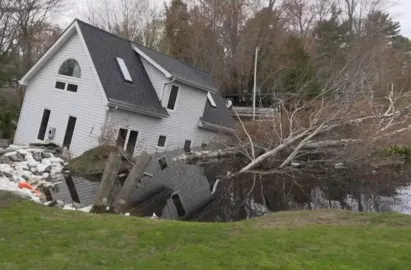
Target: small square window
72 87
61 85
161 141
187 146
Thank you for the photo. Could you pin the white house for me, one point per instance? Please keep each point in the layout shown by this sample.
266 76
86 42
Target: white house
92 86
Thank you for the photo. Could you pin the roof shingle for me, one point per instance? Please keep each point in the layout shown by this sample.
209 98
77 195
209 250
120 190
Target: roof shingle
104 48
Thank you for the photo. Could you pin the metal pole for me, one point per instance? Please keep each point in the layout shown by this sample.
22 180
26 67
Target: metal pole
255 81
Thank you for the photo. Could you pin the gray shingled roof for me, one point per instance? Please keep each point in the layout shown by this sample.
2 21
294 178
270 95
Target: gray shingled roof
188 180
220 116
180 69
104 48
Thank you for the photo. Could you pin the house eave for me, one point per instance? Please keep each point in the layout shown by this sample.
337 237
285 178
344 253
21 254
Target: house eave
119 105
151 61
198 86
213 127
168 74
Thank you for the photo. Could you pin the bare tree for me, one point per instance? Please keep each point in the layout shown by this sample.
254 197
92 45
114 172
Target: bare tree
133 20
341 127
29 16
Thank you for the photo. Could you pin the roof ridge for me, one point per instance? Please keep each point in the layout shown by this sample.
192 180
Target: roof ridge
185 63
125 39
102 30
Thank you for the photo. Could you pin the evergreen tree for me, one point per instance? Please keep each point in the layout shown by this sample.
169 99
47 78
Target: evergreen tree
177 30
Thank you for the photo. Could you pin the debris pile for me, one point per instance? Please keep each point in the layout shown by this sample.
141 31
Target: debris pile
28 171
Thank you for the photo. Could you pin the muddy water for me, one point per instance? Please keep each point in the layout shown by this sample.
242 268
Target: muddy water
376 192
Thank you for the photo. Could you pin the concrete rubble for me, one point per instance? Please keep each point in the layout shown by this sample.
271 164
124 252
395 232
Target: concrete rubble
28 171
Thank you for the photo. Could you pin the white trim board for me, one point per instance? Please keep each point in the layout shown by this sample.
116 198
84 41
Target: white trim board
151 61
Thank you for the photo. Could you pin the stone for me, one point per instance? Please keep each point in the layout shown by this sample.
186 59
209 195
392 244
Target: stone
9 175
46 162
45 175
9 154
32 163
23 152
27 175
36 172
46 155
35 178
44 168
60 203
37 156
5 168
16 158
57 161
15 147
50 203
48 169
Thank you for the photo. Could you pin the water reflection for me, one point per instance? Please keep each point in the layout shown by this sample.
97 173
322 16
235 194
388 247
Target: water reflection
383 191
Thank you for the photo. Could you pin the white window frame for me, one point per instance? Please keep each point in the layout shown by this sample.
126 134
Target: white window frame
211 100
124 70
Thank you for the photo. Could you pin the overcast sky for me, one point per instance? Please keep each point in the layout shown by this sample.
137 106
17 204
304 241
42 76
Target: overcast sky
400 10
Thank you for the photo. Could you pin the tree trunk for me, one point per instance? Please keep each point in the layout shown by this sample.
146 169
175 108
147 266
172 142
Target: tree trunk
123 198
107 182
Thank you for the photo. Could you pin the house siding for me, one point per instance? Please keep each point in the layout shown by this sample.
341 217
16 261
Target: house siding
87 104
156 77
181 125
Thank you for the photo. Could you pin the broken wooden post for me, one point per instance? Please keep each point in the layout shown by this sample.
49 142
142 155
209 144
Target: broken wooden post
123 198
107 182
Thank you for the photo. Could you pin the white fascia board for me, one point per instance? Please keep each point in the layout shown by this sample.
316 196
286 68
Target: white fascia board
151 61
200 87
49 53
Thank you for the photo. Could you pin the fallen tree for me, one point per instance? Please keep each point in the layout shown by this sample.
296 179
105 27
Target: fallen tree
122 201
344 125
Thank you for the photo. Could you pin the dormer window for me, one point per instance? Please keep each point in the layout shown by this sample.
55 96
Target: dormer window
124 70
70 68
211 100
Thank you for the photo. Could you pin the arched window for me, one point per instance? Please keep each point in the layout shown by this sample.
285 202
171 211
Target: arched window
70 68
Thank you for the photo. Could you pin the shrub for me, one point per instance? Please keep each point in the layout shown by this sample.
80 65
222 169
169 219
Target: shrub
8 114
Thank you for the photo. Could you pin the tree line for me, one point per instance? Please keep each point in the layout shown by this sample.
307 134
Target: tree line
301 42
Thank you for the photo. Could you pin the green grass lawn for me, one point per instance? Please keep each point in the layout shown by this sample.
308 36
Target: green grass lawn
36 237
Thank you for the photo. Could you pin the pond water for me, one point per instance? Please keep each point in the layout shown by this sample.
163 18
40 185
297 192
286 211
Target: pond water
251 196
377 192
